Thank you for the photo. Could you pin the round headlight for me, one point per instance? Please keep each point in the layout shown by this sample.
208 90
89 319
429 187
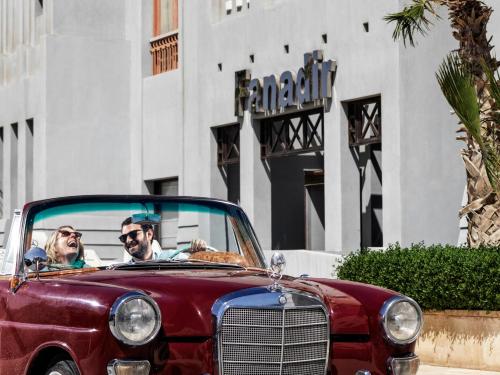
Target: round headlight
134 318
401 319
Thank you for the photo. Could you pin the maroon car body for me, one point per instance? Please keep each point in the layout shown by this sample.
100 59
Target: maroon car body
65 315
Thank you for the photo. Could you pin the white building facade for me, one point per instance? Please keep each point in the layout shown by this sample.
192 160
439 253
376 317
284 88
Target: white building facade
353 146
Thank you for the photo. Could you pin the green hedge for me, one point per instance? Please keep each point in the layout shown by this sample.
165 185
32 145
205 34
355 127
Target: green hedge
437 277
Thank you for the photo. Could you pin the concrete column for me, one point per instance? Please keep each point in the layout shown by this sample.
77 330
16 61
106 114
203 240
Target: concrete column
132 33
26 21
48 6
10 25
40 163
3 26
32 23
18 24
391 167
255 185
342 217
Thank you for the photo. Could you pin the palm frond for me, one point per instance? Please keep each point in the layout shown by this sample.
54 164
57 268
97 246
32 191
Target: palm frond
494 82
457 85
458 88
411 19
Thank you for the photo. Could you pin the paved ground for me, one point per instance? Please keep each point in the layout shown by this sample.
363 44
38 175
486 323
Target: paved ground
435 370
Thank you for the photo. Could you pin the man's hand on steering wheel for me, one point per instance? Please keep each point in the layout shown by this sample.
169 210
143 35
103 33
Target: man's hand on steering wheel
195 246
198 245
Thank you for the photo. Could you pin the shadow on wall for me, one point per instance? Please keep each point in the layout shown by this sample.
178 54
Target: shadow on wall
462 339
461 326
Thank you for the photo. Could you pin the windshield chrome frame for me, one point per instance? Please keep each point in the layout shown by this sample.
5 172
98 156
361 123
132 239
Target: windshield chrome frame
31 209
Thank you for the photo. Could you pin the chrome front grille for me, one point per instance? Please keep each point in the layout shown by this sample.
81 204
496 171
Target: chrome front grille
273 341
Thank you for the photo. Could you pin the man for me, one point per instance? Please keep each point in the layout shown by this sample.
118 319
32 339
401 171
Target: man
138 240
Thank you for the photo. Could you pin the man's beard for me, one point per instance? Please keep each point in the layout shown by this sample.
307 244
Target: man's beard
142 249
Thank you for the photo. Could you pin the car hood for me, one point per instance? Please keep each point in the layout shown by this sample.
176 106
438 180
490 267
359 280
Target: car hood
186 297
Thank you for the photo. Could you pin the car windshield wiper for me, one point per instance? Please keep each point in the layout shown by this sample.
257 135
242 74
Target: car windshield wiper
170 263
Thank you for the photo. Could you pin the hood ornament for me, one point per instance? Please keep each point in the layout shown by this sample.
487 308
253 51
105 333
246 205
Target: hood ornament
275 271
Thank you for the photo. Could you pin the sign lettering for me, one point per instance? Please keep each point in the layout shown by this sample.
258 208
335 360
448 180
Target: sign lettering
312 82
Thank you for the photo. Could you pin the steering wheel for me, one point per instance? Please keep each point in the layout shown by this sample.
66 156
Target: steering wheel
187 249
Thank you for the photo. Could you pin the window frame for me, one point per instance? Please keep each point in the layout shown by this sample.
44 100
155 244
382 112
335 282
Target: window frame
157 17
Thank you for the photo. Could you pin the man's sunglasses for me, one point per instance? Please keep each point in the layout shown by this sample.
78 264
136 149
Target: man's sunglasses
132 234
67 233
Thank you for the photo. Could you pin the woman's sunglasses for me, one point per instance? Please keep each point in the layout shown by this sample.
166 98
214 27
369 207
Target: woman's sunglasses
132 234
67 233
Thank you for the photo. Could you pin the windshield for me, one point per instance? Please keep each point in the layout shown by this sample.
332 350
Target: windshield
88 233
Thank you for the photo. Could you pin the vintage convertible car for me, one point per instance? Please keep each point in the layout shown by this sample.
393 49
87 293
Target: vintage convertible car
74 302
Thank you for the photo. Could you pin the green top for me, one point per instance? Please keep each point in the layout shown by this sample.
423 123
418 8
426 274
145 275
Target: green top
79 263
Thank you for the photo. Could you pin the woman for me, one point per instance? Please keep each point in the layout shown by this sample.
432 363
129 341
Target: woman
65 247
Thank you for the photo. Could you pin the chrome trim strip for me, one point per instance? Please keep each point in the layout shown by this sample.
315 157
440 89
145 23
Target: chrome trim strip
287 326
286 345
384 310
277 363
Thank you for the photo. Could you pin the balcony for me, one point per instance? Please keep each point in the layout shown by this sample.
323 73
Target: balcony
165 52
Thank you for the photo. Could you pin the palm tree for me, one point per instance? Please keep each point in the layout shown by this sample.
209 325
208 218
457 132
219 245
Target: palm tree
469 81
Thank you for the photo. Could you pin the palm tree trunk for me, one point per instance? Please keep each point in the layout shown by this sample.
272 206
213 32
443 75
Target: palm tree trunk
469 19
483 208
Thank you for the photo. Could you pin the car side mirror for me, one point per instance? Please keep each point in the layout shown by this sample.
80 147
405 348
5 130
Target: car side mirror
36 259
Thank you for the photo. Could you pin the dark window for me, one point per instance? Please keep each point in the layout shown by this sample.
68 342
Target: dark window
314 199
168 187
228 144
228 159
365 121
365 140
297 202
38 8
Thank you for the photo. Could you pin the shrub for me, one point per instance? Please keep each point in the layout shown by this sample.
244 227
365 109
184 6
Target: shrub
437 277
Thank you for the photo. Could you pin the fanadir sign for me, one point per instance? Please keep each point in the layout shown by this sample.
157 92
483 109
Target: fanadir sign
270 95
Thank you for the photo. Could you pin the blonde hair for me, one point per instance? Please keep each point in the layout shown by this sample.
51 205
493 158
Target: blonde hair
50 246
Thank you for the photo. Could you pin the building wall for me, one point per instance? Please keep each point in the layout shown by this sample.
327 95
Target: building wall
69 69
81 71
419 153
431 167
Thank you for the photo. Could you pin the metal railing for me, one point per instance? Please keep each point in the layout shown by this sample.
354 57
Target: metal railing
165 52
